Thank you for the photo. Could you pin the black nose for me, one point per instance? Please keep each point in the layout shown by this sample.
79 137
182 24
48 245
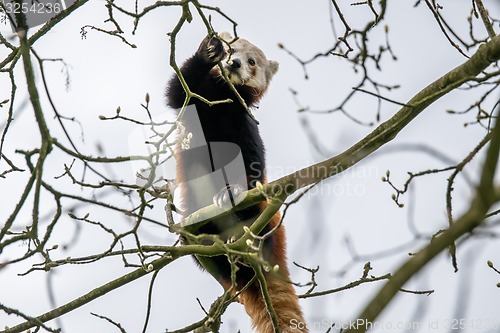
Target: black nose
235 63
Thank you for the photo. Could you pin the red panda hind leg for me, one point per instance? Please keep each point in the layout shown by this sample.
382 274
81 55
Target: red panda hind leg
281 291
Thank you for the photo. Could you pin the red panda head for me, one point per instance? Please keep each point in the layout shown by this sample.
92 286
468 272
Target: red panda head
246 64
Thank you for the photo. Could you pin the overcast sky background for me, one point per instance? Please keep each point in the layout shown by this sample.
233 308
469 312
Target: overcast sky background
106 73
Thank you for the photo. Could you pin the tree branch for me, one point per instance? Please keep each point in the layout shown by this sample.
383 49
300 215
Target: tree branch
484 17
484 199
487 54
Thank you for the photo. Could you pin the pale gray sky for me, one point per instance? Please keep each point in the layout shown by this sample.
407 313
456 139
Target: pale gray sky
106 73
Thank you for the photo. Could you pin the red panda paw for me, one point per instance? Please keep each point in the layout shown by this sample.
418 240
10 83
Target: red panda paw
228 196
211 50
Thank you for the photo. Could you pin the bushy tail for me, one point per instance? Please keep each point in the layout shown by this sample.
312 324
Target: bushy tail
285 303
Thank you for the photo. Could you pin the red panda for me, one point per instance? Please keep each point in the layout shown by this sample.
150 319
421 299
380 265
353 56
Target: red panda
229 123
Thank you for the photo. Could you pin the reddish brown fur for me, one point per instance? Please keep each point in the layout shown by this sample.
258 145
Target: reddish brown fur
283 297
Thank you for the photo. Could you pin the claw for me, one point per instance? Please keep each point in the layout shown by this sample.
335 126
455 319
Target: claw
227 196
212 50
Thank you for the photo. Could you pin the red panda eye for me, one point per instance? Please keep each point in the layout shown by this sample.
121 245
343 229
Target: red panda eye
251 62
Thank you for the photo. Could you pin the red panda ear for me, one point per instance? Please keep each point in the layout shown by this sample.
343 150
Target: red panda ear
273 67
226 36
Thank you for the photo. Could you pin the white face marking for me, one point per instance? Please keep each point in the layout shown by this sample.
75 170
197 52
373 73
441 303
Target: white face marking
247 65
